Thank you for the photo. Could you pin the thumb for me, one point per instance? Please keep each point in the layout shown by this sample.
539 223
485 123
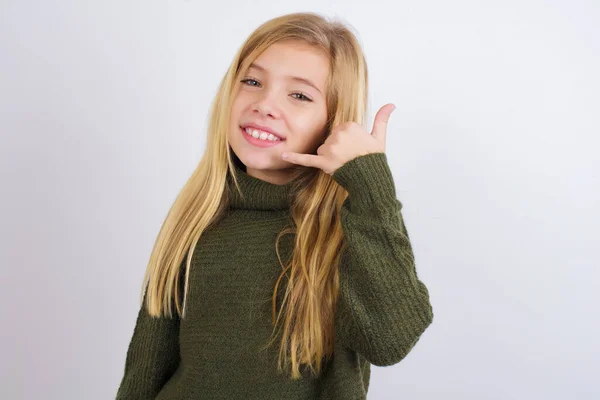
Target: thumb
381 120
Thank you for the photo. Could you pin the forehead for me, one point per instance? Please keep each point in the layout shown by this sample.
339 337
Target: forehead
294 59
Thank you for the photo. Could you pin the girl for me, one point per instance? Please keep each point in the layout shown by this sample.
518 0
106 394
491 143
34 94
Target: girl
285 256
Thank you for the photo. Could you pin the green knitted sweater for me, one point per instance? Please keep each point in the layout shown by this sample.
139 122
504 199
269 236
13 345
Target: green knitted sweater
214 352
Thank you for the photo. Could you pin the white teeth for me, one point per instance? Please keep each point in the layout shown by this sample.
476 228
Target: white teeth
262 135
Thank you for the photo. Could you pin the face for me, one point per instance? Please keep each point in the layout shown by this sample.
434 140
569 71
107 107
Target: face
283 92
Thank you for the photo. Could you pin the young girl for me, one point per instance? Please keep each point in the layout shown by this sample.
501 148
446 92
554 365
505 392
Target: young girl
283 269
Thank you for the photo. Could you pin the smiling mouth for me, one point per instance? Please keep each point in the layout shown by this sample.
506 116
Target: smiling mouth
261 143
262 135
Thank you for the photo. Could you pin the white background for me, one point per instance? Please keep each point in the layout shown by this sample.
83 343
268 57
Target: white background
493 145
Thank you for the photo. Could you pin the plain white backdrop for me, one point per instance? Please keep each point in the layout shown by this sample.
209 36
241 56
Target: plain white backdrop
493 146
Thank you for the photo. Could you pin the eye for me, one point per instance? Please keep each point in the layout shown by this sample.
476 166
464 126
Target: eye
249 80
301 96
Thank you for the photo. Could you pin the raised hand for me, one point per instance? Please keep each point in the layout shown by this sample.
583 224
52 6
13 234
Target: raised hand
346 142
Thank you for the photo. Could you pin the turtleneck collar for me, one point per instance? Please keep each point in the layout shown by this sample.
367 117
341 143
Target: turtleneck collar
258 194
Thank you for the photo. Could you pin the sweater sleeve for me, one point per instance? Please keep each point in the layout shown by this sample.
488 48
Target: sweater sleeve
383 307
152 357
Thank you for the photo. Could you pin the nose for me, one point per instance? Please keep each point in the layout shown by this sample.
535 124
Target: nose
266 104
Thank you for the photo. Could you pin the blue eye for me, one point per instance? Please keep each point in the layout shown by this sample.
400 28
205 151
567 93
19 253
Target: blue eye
247 80
300 97
303 97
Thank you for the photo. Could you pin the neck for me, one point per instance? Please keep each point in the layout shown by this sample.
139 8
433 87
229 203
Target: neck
276 177
258 194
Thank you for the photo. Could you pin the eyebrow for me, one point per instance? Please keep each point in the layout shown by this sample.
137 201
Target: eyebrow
294 78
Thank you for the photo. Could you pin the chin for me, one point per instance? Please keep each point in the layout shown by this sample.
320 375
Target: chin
258 163
259 159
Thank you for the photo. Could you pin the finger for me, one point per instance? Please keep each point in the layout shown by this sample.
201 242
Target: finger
308 160
381 120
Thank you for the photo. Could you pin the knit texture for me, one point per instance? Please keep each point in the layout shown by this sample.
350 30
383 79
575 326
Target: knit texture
215 352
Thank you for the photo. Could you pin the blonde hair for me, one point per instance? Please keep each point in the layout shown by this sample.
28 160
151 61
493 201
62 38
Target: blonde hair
308 306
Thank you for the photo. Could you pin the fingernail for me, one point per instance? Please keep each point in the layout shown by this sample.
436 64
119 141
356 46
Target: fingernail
284 155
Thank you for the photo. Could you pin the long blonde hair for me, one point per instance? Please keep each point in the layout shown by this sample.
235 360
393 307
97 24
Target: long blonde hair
310 299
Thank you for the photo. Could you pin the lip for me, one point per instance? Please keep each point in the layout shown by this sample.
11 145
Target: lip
262 128
258 142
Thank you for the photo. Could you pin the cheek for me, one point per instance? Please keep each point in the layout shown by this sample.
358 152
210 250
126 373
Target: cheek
242 99
237 104
235 107
308 137
236 113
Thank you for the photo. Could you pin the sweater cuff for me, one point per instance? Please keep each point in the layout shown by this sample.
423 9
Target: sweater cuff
369 182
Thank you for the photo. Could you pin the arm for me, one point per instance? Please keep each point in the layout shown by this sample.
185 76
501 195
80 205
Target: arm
383 307
152 356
